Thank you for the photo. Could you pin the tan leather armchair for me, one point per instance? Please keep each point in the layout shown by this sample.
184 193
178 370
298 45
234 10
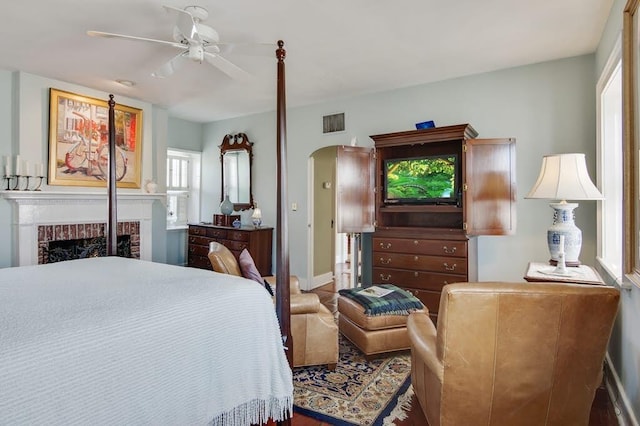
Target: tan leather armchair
512 353
313 328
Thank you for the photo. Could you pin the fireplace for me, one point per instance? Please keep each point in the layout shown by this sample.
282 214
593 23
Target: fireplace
57 243
45 216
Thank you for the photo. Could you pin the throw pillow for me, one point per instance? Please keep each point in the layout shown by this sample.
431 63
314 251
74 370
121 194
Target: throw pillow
249 270
248 267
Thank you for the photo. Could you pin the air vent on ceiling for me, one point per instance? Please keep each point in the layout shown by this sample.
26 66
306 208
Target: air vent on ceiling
333 123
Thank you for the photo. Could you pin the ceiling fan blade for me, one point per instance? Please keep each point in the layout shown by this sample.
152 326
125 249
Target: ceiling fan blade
171 66
227 67
185 23
128 37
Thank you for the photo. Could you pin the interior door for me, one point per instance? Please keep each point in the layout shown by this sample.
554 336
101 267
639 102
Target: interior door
355 189
489 187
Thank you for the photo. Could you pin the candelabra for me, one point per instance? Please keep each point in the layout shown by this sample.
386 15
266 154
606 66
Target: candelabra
37 188
16 186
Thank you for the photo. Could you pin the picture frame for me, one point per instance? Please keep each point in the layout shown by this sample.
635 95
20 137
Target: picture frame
78 141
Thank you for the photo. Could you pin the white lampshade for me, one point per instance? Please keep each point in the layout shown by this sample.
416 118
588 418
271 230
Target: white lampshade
564 177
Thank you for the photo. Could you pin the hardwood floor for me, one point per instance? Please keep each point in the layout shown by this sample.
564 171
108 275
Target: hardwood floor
602 414
602 411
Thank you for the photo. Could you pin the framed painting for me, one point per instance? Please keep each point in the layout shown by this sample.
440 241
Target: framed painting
79 142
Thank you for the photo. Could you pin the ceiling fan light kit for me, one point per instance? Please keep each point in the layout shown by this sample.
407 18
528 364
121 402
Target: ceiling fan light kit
127 83
197 41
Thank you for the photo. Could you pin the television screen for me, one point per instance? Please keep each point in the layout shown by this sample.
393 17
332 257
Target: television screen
421 180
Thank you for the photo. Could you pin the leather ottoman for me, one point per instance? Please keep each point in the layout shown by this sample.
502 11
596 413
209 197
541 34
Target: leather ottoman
372 334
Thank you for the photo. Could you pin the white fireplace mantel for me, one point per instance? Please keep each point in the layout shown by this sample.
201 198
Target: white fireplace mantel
34 208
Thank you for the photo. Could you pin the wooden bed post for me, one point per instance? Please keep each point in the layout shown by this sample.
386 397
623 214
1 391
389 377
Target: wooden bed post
112 224
283 291
283 307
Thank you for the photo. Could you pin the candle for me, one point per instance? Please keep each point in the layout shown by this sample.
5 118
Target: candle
25 169
7 166
18 165
38 169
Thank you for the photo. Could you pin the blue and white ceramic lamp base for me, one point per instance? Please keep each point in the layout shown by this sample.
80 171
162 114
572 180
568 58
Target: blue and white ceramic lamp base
564 225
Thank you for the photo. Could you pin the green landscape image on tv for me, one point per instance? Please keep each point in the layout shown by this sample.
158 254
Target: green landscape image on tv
420 179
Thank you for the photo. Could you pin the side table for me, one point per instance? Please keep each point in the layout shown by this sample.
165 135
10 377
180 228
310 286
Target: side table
543 272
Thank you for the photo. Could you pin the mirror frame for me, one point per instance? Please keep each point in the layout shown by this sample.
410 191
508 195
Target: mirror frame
630 97
237 142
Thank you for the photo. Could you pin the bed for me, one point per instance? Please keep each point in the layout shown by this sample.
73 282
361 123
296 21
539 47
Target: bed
109 340
114 341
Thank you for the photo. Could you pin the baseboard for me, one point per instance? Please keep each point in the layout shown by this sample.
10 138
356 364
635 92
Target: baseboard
320 280
618 396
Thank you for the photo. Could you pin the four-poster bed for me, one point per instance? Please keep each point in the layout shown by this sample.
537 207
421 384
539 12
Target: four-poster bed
122 341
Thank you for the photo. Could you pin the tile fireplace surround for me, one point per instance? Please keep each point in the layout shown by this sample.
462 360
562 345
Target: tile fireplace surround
34 209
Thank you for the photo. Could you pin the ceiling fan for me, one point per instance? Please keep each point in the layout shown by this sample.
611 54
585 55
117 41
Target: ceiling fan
198 42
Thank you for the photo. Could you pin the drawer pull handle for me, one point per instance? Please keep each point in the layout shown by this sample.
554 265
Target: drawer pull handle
416 274
416 242
385 261
449 250
385 278
449 268
385 245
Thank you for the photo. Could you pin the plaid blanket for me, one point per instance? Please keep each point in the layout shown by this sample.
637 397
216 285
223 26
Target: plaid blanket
397 302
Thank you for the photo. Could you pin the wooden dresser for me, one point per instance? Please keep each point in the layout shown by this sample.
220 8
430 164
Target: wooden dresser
423 263
257 240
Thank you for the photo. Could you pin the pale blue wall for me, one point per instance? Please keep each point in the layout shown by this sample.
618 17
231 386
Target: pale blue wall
547 107
186 135
624 347
6 149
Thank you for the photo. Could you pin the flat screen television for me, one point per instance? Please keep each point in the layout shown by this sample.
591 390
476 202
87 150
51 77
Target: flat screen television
431 179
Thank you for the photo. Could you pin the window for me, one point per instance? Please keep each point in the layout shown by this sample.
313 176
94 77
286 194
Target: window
610 223
183 188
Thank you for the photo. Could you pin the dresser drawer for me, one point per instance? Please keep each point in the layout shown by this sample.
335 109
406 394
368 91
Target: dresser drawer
420 246
200 241
235 246
197 230
448 265
197 261
416 279
217 233
430 299
237 236
198 250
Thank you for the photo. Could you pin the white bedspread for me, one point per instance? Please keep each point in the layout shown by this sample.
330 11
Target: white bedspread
113 341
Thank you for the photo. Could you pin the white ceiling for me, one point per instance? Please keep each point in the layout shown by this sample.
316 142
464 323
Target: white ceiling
335 48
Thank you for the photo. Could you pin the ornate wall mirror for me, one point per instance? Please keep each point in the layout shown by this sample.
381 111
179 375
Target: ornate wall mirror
236 158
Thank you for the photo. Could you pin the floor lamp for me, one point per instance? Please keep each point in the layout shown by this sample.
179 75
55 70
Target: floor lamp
564 177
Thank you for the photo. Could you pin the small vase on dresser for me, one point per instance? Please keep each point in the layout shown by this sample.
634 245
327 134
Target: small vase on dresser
226 207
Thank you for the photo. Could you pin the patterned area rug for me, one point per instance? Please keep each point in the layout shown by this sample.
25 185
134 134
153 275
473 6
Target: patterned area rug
358 392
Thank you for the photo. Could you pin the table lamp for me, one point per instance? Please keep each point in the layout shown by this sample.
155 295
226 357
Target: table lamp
256 217
564 177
